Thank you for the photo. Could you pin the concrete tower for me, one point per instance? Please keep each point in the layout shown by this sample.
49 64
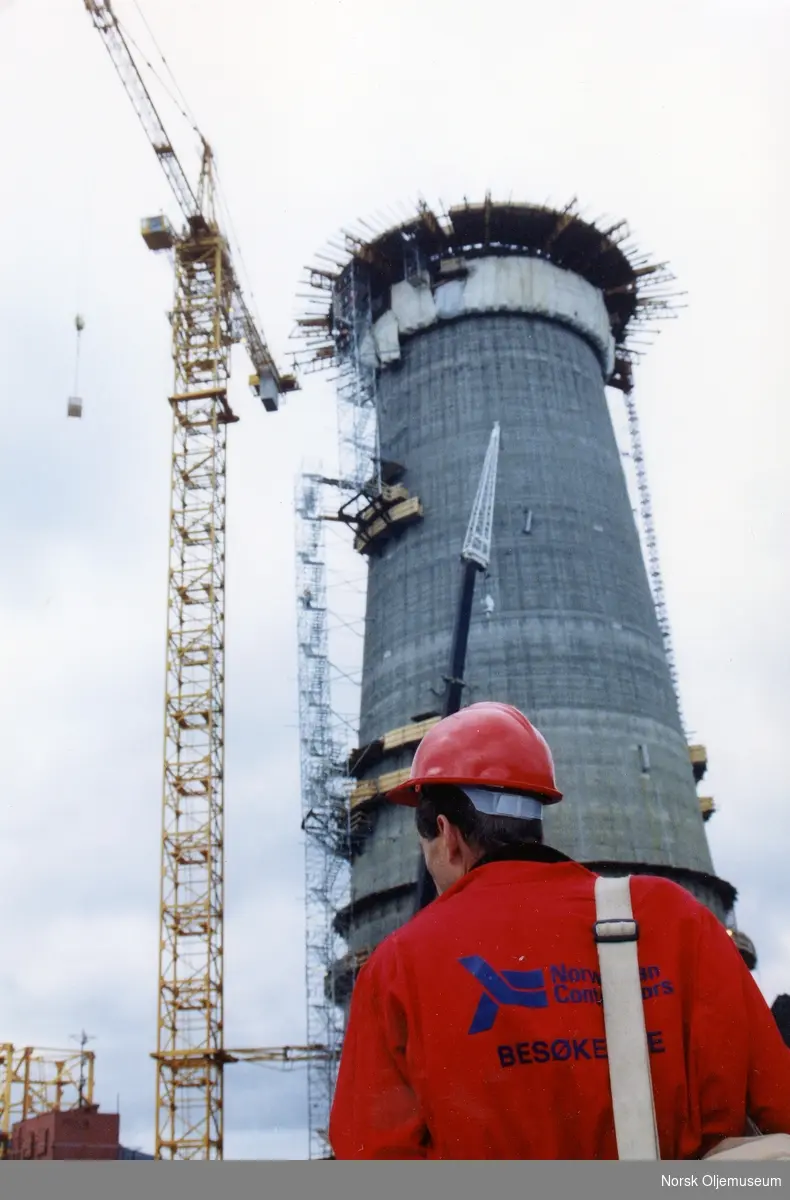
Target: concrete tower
520 315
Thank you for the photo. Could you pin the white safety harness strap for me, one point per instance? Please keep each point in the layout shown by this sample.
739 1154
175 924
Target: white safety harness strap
616 935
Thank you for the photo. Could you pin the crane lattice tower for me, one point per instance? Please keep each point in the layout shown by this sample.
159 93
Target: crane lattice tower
210 315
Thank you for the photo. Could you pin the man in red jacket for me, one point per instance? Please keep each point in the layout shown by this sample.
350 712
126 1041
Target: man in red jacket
476 1029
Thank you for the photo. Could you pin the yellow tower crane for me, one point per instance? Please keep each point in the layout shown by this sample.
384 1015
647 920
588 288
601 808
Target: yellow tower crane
209 315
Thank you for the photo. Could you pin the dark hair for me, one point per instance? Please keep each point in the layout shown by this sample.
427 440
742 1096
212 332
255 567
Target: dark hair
482 832
781 1011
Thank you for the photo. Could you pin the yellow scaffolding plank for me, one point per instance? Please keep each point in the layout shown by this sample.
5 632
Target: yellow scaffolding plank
370 788
407 735
364 791
393 778
401 515
390 494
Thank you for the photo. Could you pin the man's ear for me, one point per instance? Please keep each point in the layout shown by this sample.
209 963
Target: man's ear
443 827
451 838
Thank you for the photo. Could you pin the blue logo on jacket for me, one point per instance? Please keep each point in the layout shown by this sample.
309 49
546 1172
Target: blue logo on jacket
519 989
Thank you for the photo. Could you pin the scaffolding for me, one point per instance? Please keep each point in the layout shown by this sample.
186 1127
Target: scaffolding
40 1080
326 734
355 382
650 545
326 787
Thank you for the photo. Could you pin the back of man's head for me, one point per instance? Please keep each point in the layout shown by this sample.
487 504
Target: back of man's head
483 833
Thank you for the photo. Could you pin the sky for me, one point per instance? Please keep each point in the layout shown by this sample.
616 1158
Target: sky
671 115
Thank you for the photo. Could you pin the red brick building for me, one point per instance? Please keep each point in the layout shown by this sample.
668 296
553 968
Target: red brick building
82 1133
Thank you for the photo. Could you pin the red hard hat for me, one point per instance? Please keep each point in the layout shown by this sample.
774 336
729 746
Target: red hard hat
490 745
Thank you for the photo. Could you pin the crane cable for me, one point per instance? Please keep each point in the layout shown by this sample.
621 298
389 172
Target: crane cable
184 109
79 325
129 38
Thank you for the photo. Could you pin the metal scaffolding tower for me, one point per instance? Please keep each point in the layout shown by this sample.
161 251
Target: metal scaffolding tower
650 542
325 736
325 809
352 357
356 382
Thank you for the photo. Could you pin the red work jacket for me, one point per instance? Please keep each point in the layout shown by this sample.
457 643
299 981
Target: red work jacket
476 1030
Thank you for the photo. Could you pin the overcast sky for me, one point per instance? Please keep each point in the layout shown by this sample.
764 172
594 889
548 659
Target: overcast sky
672 115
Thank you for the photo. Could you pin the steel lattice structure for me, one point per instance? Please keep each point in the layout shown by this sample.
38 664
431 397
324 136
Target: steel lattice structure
210 314
650 542
352 358
355 383
326 784
36 1080
325 810
477 543
189 1039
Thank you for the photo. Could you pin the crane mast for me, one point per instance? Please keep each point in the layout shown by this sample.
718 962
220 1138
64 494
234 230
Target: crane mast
209 315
